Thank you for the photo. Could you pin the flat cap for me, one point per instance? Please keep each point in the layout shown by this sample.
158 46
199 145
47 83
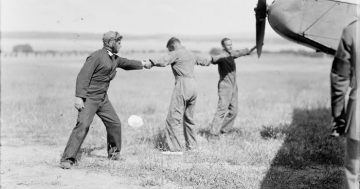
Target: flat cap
111 35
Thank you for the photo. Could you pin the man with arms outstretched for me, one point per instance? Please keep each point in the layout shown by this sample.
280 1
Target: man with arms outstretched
179 125
227 107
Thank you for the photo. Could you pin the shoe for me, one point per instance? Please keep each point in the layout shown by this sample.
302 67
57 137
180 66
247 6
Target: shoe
337 132
212 137
338 127
204 132
66 164
179 153
208 135
116 157
237 131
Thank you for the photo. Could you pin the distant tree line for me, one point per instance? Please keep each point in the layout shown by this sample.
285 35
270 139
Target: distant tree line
26 49
23 48
314 54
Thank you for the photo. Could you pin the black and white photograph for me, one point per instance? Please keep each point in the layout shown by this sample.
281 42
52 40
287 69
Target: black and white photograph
179 94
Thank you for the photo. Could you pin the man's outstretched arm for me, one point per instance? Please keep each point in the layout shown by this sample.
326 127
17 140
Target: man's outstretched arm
233 54
216 58
164 60
203 61
242 52
127 64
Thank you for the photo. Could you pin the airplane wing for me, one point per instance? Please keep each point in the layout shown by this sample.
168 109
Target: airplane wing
348 1
325 25
314 23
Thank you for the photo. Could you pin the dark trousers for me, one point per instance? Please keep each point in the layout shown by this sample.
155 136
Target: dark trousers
227 108
180 122
107 114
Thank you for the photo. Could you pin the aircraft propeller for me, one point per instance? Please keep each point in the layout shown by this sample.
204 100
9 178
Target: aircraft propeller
260 15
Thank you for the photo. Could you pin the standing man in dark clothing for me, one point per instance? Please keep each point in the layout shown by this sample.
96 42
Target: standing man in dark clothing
91 97
180 119
227 89
345 75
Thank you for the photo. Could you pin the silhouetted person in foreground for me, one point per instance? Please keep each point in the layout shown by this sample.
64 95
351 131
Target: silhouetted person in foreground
345 75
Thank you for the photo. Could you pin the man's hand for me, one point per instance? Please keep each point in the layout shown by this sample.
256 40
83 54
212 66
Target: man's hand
79 103
252 49
247 51
147 64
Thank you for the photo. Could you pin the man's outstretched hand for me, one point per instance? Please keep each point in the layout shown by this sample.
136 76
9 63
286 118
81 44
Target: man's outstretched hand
252 49
79 103
147 64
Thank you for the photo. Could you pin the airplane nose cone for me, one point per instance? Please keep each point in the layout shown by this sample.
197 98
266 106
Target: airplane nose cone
284 16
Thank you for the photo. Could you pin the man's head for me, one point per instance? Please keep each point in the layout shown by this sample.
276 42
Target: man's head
173 44
226 44
112 41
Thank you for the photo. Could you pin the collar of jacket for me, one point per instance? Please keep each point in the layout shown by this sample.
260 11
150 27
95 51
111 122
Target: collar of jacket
108 51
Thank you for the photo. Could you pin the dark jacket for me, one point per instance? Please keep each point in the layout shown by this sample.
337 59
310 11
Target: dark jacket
99 69
345 75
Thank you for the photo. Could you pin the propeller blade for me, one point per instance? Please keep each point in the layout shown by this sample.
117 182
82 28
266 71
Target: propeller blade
260 15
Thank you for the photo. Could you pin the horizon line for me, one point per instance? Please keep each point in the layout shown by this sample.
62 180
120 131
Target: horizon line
129 34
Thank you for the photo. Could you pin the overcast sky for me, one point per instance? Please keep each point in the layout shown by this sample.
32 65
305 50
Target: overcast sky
130 16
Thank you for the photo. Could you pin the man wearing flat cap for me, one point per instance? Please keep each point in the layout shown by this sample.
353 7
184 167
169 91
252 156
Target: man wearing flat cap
91 97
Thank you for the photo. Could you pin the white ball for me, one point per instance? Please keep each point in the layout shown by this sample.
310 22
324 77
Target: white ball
135 121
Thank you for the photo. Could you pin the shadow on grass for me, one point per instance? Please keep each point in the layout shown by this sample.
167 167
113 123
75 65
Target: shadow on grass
309 157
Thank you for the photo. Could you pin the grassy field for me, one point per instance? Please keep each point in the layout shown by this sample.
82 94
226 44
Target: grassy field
281 138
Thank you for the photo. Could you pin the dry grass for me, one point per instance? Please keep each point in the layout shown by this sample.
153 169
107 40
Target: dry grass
282 126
